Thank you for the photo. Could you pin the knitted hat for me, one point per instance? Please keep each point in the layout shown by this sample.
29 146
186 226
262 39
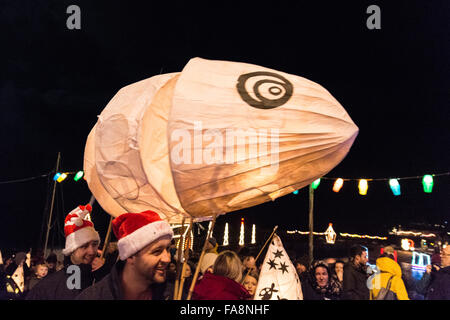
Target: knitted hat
78 230
137 230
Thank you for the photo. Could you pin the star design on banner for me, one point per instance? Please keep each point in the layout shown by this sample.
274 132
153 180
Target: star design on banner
272 264
283 267
278 254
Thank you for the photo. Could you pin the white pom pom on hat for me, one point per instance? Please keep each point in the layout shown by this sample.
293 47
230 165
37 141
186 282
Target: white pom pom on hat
78 230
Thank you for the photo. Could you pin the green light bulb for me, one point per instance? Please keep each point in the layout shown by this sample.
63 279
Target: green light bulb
427 182
315 184
78 176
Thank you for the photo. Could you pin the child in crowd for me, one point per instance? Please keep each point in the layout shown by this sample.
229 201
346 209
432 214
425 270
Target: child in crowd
40 273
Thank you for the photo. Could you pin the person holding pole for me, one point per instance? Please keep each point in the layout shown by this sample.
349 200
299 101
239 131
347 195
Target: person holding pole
81 251
144 241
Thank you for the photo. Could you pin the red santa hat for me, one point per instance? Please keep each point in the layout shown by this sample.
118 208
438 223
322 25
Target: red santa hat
78 230
137 230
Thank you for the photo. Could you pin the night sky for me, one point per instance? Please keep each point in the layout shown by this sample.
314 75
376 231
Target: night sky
393 82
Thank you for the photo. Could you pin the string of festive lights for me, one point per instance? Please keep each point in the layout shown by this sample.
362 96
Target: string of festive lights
331 235
363 183
61 176
411 233
305 232
25 179
365 236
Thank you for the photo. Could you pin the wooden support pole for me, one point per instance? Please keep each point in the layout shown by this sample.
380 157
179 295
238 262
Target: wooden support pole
183 270
177 279
58 159
311 224
107 238
197 270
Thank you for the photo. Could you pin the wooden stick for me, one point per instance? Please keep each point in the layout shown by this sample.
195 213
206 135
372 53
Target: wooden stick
183 271
175 290
49 223
311 225
107 238
260 251
92 200
197 270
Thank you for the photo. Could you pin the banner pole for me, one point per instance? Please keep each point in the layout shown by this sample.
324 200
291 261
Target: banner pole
260 251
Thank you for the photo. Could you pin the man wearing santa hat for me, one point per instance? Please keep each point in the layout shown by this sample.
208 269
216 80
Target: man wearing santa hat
81 251
144 249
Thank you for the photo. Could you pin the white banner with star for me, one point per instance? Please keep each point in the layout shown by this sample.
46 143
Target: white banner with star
278 279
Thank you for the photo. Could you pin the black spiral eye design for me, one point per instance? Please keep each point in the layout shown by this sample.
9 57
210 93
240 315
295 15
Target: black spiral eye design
264 90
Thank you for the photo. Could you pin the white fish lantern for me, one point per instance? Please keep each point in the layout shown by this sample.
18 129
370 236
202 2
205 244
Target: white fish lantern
218 137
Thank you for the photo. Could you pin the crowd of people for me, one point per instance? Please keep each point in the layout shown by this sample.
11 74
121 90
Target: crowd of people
144 264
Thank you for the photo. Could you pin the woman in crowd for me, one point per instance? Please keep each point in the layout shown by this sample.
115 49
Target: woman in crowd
250 283
339 270
321 284
224 282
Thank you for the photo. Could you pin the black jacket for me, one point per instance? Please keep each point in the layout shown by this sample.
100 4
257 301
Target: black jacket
54 286
435 286
355 283
110 288
309 293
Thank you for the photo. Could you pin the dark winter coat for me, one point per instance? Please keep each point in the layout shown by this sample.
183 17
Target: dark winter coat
33 281
436 285
355 283
54 286
309 293
110 288
312 291
214 287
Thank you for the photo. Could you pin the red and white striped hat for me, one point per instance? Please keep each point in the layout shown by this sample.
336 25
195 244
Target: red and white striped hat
137 230
78 230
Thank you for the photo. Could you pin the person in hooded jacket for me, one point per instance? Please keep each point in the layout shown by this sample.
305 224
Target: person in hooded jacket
224 282
321 284
389 269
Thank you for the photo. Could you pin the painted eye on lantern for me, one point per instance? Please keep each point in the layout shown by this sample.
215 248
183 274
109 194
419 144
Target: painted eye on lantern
264 90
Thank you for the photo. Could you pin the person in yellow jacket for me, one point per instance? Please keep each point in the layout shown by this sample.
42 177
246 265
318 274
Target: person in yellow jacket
388 267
